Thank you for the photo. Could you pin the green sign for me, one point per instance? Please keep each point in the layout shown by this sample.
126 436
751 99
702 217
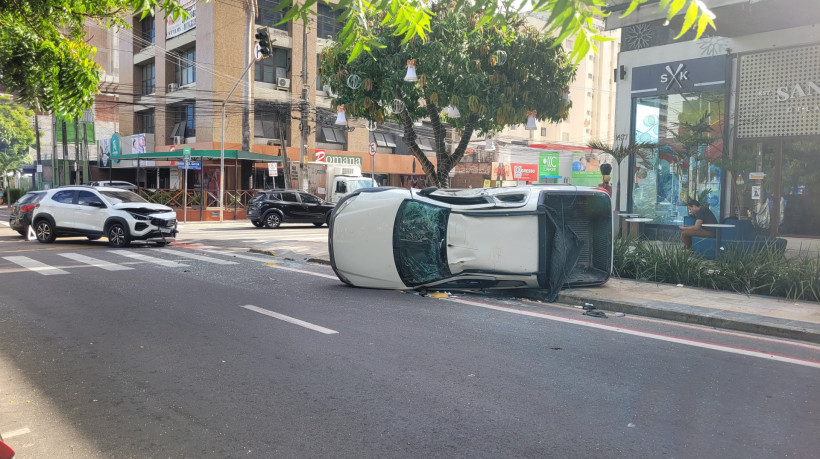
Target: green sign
69 127
186 153
548 165
586 169
115 148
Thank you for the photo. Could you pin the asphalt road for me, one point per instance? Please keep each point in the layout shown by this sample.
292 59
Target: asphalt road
270 358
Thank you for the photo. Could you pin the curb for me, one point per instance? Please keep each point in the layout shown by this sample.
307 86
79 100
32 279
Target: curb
729 320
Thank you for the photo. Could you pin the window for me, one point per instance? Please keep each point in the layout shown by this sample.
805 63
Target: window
327 27
682 168
147 33
145 122
289 197
270 69
418 235
185 72
543 132
148 79
184 121
87 198
270 121
383 140
63 197
332 135
268 17
308 199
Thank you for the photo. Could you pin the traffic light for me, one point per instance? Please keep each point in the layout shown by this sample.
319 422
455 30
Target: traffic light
264 41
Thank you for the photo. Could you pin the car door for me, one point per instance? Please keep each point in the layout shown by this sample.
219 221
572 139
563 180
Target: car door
62 209
291 206
92 212
312 209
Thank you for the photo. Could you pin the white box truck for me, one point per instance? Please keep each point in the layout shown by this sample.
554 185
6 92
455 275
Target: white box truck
332 182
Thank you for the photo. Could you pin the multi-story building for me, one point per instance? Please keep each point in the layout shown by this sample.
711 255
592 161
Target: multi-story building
180 74
754 82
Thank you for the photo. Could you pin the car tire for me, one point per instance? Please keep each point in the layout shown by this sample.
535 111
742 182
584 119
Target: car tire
272 220
45 231
92 238
318 224
118 236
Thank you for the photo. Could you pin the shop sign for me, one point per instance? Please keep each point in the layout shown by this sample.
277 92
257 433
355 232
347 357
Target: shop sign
345 160
757 175
548 164
779 93
515 171
178 26
691 75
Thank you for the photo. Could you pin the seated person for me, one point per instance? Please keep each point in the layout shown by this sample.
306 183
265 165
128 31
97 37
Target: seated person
702 215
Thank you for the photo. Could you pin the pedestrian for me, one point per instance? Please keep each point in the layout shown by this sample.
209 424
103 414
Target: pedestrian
702 215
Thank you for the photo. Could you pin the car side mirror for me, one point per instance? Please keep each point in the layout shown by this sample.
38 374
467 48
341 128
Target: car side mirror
97 204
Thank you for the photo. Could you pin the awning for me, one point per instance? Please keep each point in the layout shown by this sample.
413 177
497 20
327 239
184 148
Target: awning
197 155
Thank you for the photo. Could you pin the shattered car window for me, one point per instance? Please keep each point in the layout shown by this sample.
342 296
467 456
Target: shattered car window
419 243
119 197
354 185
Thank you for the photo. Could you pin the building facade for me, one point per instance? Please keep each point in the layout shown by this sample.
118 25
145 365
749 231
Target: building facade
736 115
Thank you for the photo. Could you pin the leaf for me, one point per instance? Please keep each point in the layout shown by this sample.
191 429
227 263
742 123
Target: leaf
689 19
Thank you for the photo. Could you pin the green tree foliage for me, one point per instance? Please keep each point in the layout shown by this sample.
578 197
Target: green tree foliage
16 136
460 65
44 57
415 18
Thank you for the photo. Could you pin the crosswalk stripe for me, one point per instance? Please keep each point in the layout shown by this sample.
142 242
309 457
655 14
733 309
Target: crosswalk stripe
240 255
146 258
197 257
35 266
95 262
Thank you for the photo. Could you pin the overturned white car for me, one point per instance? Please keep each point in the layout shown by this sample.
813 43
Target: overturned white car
535 236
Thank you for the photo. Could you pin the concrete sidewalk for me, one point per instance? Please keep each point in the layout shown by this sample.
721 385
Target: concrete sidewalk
779 317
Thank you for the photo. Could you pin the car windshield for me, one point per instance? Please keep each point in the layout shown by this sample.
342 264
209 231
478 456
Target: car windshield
420 248
359 184
28 197
119 197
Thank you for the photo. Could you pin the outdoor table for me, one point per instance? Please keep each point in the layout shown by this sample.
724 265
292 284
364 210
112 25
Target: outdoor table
641 223
718 228
622 222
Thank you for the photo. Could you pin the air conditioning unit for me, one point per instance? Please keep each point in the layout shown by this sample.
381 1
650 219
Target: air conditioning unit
177 140
172 87
328 91
283 83
273 142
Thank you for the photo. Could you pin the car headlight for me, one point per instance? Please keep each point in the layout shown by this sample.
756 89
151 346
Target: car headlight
138 216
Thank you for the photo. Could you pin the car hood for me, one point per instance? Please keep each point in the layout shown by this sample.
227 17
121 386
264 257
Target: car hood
146 208
365 258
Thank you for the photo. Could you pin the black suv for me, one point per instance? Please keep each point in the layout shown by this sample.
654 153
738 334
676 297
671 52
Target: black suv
270 208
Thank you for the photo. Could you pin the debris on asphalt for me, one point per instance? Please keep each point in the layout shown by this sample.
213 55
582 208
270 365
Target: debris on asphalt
589 310
620 314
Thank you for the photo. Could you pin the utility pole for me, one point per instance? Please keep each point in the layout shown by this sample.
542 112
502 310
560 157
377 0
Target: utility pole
304 128
38 174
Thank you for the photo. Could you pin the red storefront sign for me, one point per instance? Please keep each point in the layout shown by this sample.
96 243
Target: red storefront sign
524 172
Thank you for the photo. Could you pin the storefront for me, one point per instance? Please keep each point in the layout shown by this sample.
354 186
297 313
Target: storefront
776 170
681 107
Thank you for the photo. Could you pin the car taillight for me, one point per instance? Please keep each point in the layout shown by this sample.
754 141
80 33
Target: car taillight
27 207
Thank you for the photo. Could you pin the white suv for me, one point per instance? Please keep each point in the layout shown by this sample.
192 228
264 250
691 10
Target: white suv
93 212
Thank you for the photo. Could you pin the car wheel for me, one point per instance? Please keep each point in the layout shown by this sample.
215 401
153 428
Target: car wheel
318 224
257 224
44 231
118 236
92 238
272 220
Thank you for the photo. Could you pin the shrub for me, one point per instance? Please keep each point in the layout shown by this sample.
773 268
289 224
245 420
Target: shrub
15 194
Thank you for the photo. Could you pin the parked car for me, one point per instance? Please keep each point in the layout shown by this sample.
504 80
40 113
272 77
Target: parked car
115 184
270 208
120 215
21 211
538 236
